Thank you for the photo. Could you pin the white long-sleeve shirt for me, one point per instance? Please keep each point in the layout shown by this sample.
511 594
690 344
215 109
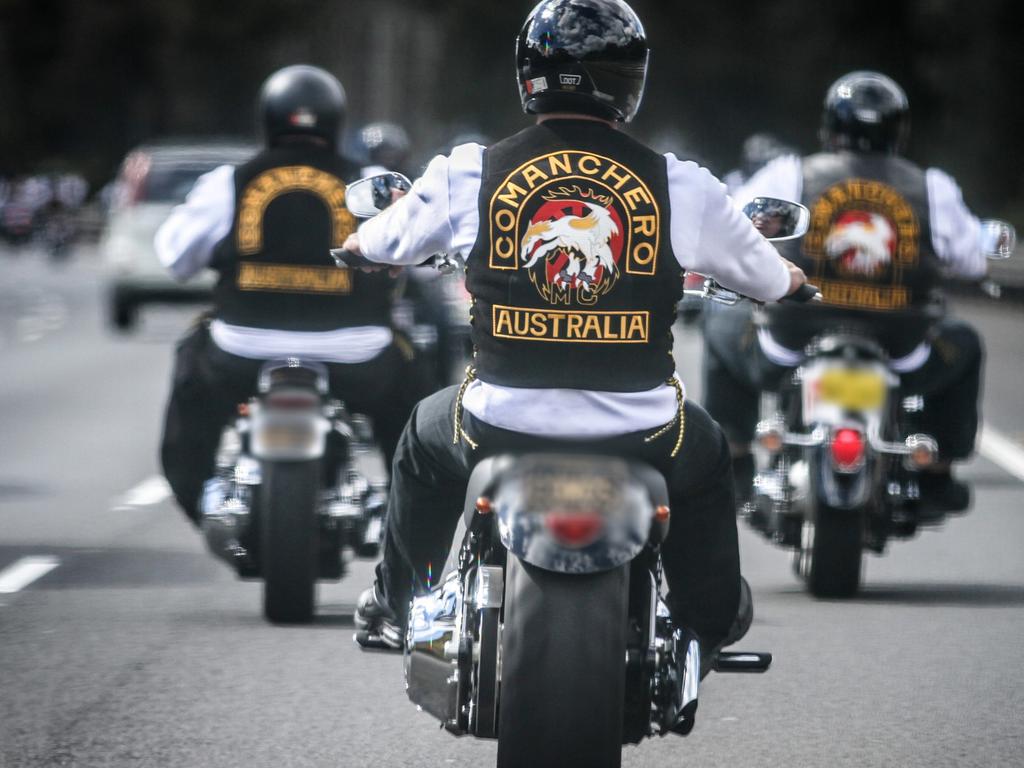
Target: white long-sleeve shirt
708 235
956 232
956 239
185 243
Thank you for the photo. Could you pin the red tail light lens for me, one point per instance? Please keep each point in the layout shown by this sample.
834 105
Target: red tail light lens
574 529
847 448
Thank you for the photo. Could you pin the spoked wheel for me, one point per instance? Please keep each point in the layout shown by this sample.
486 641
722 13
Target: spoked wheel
562 668
829 557
289 554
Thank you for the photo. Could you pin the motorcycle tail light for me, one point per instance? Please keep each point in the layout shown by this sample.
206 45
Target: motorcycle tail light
847 449
574 529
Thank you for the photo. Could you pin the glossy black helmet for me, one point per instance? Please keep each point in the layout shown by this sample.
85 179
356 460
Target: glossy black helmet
302 101
385 144
586 56
865 112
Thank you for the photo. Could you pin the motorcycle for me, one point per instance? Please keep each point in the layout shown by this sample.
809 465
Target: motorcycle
547 629
840 455
288 498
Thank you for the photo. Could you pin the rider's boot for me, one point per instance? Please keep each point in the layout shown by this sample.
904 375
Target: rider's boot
740 627
377 624
942 493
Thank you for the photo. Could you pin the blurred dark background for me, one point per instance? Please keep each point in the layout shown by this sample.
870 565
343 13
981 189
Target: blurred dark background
85 80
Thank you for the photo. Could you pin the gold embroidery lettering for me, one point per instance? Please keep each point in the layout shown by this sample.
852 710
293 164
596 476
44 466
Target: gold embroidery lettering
511 195
612 173
560 164
532 175
635 194
505 220
645 225
288 278
588 327
589 165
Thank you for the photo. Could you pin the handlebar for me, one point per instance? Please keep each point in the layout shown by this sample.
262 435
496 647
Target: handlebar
346 258
442 262
714 292
803 294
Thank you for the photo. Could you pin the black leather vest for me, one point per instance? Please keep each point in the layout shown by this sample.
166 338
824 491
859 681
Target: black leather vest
274 265
869 249
573 277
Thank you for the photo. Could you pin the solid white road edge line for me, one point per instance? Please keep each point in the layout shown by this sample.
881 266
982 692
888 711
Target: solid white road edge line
23 572
1001 450
150 491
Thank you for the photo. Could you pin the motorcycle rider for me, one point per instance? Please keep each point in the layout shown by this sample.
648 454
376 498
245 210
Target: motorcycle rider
882 231
575 238
386 147
265 227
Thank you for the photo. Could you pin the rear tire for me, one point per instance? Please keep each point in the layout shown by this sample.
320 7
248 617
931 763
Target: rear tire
289 540
829 558
562 668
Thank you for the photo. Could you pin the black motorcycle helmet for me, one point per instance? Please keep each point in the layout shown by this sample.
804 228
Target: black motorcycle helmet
587 56
301 100
385 144
865 112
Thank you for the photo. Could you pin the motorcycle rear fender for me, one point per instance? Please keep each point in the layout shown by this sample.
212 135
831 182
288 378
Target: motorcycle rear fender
840 490
525 489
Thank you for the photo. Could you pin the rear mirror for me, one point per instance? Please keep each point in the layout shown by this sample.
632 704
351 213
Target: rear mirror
368 197
777 219
998 239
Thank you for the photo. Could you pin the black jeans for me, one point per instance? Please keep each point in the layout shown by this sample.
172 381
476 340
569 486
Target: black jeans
428 487
736 371
209 383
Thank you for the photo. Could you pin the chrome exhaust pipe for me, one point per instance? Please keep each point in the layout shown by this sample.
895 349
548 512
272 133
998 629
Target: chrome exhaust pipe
225 519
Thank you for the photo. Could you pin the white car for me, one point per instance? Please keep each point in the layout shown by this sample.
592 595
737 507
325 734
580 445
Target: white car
152 180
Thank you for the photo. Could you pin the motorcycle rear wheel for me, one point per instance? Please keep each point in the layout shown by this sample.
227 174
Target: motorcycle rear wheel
289 552
562 668
830 554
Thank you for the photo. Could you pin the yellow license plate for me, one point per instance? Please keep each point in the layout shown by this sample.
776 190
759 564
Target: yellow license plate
852 389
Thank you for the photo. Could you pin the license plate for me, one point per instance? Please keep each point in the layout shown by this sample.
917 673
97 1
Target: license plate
853 390
288 437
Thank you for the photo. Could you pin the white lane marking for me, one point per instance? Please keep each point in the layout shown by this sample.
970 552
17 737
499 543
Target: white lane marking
23 572
150 491
1001 450
44 313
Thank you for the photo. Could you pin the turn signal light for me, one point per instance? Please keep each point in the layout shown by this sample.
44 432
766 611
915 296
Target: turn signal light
661 513
484 505
847 448
574 529
923 451
769 435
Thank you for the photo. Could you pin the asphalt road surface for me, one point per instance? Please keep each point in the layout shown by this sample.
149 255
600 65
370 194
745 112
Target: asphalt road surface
122 643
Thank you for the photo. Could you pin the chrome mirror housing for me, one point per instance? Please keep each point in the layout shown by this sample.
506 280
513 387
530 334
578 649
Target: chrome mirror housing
998 239
368 197
777 219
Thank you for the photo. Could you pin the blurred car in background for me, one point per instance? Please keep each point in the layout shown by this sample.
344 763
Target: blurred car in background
152 180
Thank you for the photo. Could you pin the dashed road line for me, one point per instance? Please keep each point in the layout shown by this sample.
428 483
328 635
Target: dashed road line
150 491
23 572
1001 450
